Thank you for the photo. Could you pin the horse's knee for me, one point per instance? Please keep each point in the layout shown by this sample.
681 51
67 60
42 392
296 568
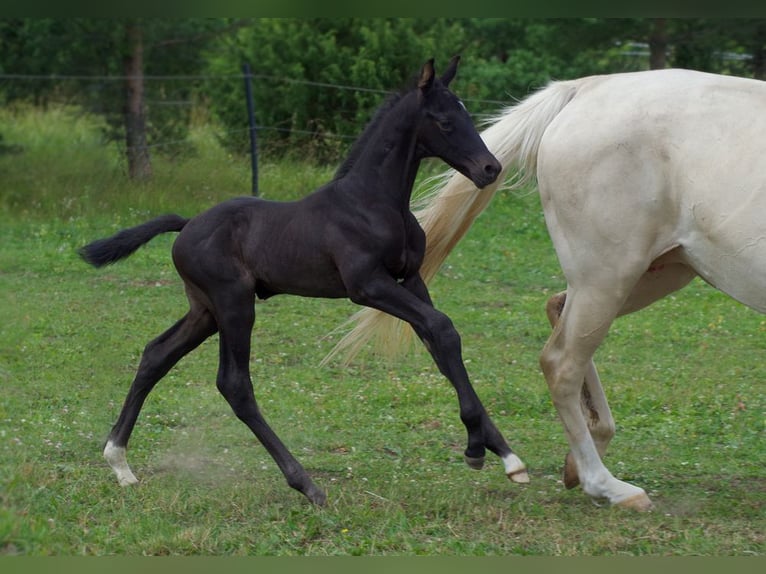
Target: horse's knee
604 431
151 366
238 392
472 414
443 334
549 363
563 376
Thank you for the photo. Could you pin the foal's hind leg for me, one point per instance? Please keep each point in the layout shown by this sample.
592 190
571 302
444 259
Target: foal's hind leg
235 311
158 358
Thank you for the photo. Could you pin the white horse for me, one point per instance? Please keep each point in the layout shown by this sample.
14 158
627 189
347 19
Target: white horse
647 180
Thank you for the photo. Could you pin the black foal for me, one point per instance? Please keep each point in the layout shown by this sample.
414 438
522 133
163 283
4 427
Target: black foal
354 237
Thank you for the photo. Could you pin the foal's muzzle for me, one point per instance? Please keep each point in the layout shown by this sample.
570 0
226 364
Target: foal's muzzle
485 172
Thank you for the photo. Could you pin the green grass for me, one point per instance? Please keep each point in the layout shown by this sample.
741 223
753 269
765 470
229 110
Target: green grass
684 378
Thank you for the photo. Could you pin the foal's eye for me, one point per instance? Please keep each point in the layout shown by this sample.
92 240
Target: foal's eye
444 125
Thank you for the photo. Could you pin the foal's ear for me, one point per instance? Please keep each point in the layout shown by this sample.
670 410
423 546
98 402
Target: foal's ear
449 74
426 76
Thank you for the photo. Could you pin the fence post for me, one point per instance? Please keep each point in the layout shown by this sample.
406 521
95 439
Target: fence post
251 119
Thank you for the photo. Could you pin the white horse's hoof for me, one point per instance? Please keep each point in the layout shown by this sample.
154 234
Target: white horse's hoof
639 502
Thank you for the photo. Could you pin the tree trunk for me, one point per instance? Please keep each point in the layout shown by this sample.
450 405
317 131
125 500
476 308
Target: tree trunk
139 163
658 44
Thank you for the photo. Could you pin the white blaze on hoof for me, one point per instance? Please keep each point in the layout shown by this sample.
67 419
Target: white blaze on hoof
515 469
115 456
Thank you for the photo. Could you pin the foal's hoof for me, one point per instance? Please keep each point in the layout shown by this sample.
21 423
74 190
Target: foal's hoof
476 463
115 456
520 476
316 495
515 469
127 480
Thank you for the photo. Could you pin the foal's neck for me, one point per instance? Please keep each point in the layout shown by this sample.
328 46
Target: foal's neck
389 161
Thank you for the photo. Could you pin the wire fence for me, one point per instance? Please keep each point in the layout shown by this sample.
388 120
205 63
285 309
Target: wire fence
172 102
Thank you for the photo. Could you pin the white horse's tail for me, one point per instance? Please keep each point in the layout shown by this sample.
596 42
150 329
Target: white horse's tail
450 208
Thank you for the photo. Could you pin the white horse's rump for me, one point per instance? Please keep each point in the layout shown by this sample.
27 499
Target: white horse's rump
647 180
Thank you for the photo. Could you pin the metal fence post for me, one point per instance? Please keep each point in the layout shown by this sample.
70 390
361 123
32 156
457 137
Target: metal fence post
251 119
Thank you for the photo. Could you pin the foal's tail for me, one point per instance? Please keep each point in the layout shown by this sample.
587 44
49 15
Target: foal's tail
453 204
124 243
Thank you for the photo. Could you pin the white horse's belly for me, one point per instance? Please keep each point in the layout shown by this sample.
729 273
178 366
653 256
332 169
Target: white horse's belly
732 259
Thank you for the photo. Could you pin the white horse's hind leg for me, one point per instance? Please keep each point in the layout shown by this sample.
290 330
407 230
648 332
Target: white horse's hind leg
593 403
116 458
595 409
664 276
565 360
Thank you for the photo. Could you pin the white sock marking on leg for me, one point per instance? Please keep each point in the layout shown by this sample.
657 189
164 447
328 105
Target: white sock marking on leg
515 469
116 458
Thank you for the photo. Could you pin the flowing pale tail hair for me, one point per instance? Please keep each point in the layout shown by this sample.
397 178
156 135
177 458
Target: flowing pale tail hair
449 208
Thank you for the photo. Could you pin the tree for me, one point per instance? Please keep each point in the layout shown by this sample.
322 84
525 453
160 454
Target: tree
307 71
139 164
102 65
316 81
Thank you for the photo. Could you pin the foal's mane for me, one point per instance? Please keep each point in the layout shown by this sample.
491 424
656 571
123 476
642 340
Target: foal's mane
371 128
362 141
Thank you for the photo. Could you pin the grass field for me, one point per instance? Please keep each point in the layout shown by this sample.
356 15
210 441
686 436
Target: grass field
684 378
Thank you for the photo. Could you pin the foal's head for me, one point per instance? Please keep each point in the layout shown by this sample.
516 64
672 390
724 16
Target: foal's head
446 130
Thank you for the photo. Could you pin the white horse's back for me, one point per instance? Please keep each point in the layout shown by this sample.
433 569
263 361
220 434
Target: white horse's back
662 160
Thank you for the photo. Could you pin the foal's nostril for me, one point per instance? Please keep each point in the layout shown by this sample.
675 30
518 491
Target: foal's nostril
492 169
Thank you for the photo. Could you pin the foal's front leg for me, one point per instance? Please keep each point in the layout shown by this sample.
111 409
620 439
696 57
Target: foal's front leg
411 302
